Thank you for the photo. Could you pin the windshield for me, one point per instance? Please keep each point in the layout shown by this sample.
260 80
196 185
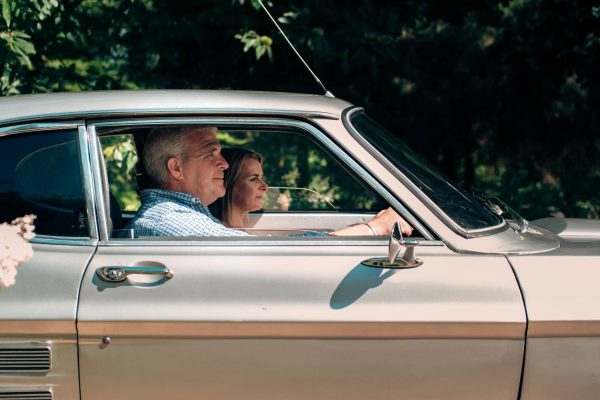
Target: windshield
455 203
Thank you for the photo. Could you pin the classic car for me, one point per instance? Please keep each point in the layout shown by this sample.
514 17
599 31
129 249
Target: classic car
475 304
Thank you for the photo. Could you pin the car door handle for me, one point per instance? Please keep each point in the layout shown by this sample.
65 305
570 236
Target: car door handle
118 273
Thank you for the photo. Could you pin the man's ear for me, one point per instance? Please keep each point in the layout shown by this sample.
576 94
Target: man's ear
175 167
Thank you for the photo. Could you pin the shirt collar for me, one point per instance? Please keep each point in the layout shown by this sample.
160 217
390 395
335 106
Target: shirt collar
152 195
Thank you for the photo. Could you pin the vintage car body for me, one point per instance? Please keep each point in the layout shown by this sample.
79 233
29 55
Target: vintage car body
490 313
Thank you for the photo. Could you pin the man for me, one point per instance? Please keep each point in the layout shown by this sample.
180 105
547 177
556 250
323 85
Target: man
186 166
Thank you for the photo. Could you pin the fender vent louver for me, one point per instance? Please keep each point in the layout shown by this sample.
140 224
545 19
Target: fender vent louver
15 360
26 395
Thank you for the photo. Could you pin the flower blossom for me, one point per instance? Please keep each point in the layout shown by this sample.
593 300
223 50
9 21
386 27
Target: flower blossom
14 247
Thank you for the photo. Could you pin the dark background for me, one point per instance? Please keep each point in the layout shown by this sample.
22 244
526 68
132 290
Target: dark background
501 96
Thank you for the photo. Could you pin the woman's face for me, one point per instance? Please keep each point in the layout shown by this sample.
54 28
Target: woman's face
249 188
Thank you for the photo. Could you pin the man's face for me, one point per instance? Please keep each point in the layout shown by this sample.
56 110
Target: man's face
203 166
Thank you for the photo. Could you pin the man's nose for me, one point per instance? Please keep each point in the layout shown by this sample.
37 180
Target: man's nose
222 162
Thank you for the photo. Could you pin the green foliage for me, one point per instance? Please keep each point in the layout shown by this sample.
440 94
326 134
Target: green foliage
499 95
255 3
6 12
16 48
121 157
260 44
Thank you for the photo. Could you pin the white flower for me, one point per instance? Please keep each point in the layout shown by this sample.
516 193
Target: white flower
28 234
14 247
4 249
7 275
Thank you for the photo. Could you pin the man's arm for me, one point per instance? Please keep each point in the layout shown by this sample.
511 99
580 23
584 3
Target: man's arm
381 224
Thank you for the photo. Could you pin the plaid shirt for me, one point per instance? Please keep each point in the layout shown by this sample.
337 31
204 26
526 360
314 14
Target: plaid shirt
167 213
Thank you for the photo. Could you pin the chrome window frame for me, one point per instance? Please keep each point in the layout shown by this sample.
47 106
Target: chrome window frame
36 127
259 121
100 206
88 181
82 144
430 204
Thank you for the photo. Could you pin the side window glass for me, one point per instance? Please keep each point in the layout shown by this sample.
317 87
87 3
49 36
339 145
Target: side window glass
40 173
310 190
301 175
121 159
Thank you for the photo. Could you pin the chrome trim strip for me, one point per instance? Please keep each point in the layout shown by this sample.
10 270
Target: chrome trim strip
197 120
259 242
175 111
316 133
305 329
42 126
549 329
85 150
64 241
413 188
97 184
64 329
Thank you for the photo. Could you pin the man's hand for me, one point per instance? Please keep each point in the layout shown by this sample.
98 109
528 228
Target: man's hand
384 221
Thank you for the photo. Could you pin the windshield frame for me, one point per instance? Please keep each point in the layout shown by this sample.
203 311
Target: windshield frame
351 112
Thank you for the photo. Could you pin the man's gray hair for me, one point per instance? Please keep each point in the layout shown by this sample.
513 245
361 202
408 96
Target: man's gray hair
160 145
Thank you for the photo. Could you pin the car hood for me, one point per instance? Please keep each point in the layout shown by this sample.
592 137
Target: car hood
572 229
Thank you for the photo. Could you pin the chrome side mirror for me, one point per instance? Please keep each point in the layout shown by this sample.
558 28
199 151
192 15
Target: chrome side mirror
396 243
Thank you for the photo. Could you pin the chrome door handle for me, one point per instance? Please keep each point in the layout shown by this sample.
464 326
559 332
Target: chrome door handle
117 273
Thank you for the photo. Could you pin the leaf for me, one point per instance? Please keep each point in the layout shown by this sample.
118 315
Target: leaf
249 44
256 4
23 46
20 34
270 53
6 12
266 40
260 50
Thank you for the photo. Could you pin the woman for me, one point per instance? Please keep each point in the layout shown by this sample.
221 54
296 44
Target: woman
245 187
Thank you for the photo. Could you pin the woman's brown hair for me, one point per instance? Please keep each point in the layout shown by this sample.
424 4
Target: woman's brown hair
235 157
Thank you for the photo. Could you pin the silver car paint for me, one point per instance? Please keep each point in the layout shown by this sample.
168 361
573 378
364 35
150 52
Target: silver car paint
40 311
558 287
572 229
562 292
296 320
29 108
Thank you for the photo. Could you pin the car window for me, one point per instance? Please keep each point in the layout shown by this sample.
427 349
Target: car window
40 173
301 175
120 154
456 203
309 188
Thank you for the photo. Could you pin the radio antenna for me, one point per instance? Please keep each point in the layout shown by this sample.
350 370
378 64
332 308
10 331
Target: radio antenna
327 92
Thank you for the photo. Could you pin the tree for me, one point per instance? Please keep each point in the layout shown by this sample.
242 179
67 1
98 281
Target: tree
501 96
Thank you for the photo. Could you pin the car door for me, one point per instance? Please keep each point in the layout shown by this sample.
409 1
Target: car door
296 317
42 173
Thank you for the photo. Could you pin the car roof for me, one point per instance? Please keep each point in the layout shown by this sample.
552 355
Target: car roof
164 102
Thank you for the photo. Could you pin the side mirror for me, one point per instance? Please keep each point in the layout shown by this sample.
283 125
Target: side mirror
396 243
